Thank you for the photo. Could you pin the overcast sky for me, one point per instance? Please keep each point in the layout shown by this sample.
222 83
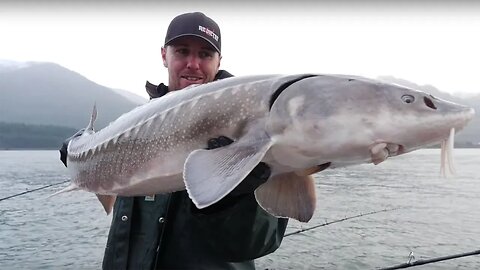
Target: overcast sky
119 45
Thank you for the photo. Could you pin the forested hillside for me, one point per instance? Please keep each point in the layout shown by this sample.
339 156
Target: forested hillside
49 94
22 136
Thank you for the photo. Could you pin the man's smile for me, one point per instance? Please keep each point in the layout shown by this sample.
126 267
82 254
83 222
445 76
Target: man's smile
192 78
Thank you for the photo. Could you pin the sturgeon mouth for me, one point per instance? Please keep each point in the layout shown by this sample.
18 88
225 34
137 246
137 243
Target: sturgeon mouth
382 150
395 149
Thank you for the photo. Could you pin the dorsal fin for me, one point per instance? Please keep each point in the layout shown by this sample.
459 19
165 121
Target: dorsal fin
93 117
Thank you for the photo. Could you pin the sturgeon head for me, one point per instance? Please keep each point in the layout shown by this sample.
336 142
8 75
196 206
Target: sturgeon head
333 121
351 120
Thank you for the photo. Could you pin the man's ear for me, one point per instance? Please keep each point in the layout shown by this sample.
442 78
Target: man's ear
164 56
219 60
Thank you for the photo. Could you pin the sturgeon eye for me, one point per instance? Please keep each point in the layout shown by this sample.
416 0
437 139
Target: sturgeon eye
408 99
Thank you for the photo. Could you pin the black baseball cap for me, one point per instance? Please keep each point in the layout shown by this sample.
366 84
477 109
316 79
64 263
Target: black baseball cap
194 24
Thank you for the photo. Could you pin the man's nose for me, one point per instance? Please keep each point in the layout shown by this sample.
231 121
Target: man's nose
193 62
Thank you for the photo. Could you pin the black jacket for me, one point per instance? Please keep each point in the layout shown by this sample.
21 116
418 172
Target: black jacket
169 232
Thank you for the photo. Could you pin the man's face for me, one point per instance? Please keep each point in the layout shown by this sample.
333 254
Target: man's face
190 60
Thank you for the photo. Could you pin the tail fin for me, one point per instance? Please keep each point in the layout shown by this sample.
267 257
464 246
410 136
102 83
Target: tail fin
69 188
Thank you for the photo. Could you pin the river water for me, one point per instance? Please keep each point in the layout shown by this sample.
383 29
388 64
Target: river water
437 216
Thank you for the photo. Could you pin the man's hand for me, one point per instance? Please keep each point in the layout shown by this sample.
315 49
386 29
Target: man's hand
218 142
254 179
64 151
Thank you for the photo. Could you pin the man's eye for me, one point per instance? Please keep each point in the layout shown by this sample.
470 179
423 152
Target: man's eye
182 51
205 54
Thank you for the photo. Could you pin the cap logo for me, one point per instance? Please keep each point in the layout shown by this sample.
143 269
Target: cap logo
208 32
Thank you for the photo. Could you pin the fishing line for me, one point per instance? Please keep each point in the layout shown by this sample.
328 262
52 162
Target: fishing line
408 264
342 219
433 260
33 190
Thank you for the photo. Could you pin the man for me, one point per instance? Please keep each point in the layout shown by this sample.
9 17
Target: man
167 231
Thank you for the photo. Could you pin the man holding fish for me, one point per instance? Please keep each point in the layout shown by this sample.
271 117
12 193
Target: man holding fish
297 124
167 231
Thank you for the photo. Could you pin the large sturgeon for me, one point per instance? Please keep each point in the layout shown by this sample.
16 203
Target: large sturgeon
298 124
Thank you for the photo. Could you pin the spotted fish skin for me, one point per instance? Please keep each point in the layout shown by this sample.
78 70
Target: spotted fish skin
152 141
297 124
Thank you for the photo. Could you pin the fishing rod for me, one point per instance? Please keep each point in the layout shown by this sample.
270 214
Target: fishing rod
408 264
433 260
342 219
33 190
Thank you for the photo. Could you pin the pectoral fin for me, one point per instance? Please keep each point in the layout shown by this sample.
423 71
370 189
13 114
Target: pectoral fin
107 202
288 195
210 175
